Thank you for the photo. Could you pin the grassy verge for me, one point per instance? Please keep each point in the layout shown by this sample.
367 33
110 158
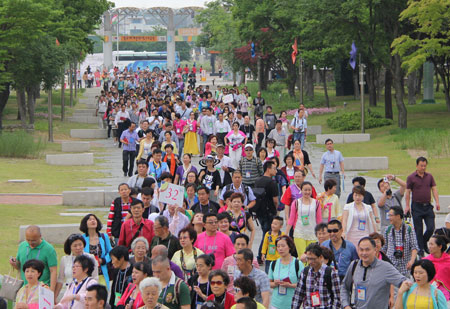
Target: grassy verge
15 215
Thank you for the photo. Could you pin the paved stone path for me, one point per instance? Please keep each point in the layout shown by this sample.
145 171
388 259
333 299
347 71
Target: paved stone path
31 199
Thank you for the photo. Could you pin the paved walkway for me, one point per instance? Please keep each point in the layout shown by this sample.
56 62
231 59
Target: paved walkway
31 199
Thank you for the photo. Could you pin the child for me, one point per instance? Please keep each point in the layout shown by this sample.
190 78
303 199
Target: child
329 201
269 250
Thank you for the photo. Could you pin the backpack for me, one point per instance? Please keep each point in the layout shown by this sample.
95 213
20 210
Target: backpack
405 226
177 289
260 207
297 266
246 190
327 279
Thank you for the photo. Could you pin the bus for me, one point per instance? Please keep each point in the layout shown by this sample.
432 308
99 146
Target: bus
155 61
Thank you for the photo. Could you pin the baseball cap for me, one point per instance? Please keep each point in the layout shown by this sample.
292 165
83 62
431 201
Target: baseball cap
249 146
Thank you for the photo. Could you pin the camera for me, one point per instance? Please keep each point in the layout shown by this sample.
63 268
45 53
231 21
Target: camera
398 254
388 192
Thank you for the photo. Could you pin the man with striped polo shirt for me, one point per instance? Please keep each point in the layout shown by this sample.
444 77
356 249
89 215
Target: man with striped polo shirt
250 167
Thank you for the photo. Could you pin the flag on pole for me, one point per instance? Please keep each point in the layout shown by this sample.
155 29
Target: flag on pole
295 52
253 53
352 60
115 19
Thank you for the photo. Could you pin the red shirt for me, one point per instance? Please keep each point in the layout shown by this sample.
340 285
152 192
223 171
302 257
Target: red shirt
129 229
229 300
420 187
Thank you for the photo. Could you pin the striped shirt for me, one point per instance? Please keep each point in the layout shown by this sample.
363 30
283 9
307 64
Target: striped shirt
125 209
251 170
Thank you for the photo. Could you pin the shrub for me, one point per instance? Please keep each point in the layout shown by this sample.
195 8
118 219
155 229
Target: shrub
352 121
20 145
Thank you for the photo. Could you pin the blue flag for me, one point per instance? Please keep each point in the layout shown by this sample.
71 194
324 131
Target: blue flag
253 50
352 60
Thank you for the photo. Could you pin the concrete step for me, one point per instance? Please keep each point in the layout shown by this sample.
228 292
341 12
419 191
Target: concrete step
84 119
71 159
88 133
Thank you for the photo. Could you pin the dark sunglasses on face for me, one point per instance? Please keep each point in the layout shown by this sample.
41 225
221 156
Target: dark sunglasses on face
333 231
216 283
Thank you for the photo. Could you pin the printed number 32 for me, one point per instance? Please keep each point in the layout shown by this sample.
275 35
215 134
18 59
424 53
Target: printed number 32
175 194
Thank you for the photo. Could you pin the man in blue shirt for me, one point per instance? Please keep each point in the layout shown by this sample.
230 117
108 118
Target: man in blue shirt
333 162
157 167
344 251
128 139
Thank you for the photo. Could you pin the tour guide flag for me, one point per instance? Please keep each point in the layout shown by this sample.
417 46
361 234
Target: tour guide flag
352 60
115 19
295 52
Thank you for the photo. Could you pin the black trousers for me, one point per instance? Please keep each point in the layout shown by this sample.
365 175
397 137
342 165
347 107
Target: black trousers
423 212
128 158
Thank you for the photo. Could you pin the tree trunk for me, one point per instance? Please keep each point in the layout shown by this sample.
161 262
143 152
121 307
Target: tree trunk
370 79
4 96
388 94
398 85
260 73
242 81
412 88
63 103
309 78
355 84
419 81
71 84
378 84
291 77
50 116
76 78
446 83
324 79
31 102
266 70
437 80
21 103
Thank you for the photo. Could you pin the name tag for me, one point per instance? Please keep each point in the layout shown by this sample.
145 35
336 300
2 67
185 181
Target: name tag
272 249
315 299
305 220
282 290
361 292
362 225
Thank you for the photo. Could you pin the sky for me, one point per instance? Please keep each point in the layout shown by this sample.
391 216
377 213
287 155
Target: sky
166 3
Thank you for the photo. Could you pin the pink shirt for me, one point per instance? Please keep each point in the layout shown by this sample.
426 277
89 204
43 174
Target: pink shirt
179 126
293 216
220 245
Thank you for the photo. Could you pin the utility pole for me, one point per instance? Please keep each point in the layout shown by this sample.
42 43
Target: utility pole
361 83
301 79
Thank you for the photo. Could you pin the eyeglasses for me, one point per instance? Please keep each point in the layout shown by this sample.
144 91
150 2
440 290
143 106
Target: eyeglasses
216 283
333 230
212 222
236 290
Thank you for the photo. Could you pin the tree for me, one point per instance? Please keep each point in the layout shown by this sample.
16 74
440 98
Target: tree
430 40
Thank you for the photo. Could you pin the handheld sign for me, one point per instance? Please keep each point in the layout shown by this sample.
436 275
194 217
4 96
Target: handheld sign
45 298
228 98
171 194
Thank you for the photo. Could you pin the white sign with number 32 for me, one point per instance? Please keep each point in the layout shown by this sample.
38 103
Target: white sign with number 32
171 194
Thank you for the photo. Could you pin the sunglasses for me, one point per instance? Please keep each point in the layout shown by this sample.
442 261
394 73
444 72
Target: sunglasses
333 231
216 283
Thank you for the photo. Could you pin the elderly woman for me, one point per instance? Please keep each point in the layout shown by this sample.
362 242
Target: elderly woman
73 247
28 295
131 297
421 294
140 248
97 244
74 297
150 289
218 281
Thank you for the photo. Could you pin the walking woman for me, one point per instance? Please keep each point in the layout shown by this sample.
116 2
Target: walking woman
184 169
305 214
97 244
199 283
235 140
190 139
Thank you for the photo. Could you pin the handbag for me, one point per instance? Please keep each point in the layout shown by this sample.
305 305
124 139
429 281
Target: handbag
10 287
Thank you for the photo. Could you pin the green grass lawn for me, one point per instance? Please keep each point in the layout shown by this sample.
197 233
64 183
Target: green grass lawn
15 215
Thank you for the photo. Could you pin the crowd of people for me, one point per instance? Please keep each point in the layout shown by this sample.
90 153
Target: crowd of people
251 180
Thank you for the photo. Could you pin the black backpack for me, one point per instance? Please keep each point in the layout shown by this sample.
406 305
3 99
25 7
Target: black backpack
260 207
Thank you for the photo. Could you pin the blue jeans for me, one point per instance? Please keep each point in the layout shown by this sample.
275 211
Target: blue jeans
299 136
180 146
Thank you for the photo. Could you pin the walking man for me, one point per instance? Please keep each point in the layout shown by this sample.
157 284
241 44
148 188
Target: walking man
420 184
333 162
128 139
